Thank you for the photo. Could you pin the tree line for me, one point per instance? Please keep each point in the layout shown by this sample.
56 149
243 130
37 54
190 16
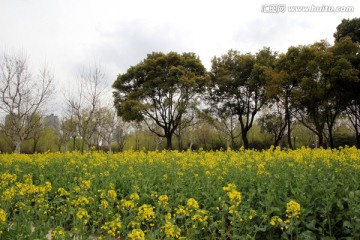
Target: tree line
314 84
171 98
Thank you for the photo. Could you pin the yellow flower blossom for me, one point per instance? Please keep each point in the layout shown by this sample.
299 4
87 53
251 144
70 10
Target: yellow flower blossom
146 212
62 192
85 184
58 233
2 216
171 230
81 201
234 196
292 209
163 200
200 216
104 204
229 187
192 203
112 195
274 220
127 204
181 210
82 214
113 227
6 179
48 186
76 189
134 196
136 234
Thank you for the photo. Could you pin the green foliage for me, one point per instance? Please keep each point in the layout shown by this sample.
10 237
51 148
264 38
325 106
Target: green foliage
160 90
237 85
348 27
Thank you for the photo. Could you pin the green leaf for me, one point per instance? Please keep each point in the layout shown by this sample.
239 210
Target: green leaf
308 235
311 225
351 195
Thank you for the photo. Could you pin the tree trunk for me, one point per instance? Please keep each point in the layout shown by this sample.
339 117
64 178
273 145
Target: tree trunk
232 144
277 141
110 149
82 146
34 146
74 143
288 121
17 146
179 141
169 141
331 138
357 135
320 140
245 139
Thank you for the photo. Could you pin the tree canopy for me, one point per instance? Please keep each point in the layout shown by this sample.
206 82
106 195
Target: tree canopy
237 85
160 90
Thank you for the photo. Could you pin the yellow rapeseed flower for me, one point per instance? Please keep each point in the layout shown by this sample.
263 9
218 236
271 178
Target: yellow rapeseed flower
171 230
134 196
82 201
200 216
192 203
8 194
234 196
76 189
137 234
229 187
180 210
292 209
163 200
113 227
58 233
2 216
6 179
48 186
146 212
85 184
127 204
112 195
82 213
104 204
62 192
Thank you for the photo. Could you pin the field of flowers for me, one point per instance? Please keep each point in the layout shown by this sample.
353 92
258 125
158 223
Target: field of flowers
273 194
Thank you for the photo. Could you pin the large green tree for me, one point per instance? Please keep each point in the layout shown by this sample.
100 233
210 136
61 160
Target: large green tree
237 85
348 28
281 81
160 90
347 45
318 97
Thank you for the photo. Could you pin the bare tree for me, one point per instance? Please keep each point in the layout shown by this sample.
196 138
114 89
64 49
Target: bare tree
22 96
67 130
107 121
121 133
274 121
227 127
83 103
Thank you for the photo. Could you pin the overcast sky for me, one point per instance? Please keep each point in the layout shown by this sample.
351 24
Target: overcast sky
68 34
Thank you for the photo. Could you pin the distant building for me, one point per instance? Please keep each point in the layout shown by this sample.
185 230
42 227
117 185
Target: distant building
52 121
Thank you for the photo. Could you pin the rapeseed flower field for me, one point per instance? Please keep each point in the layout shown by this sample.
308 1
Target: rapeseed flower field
272 194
